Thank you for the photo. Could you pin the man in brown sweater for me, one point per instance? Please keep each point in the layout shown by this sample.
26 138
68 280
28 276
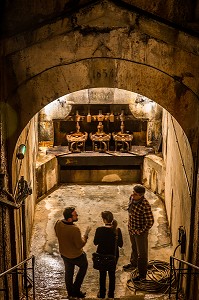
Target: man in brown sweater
71 249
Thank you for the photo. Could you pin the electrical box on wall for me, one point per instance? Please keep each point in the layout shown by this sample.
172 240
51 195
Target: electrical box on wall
182 239
2 181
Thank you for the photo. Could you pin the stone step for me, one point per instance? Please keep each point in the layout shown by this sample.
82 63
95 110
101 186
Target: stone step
134 297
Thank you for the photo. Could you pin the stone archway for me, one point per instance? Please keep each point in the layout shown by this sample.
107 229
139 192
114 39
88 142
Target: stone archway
172 95
180 101
104 45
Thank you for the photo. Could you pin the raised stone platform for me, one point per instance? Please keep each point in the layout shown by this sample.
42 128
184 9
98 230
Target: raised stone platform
98 167
90 158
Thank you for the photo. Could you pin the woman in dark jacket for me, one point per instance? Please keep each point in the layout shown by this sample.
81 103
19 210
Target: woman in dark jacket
105 239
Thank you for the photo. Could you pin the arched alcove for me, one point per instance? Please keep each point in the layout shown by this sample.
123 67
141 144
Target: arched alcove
106 46
172 95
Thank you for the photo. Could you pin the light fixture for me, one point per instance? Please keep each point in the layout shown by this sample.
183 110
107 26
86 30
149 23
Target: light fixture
21 151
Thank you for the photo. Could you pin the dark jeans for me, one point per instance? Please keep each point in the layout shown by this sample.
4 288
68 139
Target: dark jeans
70 263
139 254
102 281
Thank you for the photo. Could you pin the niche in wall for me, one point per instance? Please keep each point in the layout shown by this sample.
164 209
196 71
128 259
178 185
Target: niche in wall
132 125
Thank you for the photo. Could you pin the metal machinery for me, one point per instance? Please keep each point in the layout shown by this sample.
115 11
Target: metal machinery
77 140
100 139
122 140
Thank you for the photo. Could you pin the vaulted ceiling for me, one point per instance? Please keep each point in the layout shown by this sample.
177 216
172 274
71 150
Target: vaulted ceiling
24 15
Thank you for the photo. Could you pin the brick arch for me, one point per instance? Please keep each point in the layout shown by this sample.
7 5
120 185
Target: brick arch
55 82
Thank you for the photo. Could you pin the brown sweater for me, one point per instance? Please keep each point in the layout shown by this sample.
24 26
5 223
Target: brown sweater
70 240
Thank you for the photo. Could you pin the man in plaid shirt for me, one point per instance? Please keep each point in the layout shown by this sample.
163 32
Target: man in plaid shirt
140 221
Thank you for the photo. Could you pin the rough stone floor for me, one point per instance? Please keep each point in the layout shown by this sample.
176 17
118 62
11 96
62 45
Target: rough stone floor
89 201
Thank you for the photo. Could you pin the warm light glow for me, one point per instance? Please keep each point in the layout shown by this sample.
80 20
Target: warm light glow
149 106
49 107
59 108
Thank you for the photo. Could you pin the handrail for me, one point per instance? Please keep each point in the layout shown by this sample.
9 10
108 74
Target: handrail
185 262
181 271
16 266
8 202
14 270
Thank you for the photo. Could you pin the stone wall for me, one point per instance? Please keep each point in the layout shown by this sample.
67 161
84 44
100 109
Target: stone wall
154 174
92 48
105 176
143 110
178 177
46 174
34 13
170 176
25 167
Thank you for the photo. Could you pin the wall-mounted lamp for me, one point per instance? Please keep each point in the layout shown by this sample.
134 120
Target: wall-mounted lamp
21 151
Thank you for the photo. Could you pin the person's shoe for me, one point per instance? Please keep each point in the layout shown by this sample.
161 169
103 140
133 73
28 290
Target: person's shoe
128 267
139 279
110 295
100 296
79 294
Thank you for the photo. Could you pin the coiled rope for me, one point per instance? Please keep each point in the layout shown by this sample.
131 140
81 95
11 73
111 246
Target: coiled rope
158 278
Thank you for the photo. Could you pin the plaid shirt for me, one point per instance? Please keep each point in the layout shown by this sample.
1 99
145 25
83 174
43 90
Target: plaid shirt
140 216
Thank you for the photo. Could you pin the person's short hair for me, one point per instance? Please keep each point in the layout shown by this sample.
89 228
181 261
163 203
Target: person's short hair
67 213
107 215
140 189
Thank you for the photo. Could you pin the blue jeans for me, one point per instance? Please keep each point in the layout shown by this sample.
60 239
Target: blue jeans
70 263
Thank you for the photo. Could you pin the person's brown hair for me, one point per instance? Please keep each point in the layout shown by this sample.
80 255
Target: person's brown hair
140 189
108 216
67 213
